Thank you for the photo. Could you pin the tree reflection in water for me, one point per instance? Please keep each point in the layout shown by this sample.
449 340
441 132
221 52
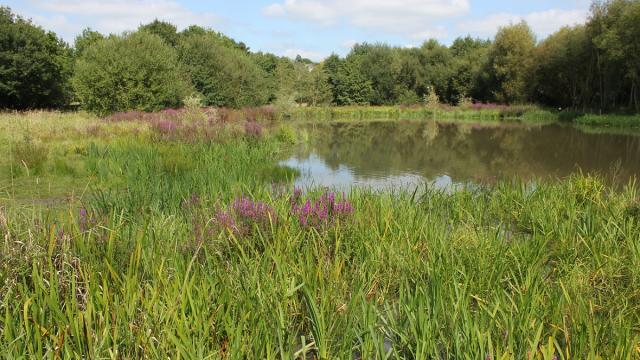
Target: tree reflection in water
382 154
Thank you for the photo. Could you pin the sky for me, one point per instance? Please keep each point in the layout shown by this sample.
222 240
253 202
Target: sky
311 28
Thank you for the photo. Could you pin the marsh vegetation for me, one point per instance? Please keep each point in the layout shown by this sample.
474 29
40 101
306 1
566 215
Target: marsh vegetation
177 234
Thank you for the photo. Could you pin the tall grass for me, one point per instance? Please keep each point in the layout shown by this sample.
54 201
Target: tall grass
621 121
153 263
477 112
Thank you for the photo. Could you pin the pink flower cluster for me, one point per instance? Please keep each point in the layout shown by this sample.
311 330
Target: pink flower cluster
242 215
317 213
487 106
253 129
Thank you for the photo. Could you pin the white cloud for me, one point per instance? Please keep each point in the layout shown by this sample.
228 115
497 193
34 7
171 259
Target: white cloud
313 55
438 32
69 17
407 17
542 23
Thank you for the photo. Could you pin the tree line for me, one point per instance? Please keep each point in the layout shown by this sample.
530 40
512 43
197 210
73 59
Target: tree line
589 67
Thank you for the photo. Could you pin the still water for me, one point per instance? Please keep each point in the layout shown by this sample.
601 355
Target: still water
405 154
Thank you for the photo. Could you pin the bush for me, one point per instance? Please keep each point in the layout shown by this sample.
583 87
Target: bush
135 71
226 77
35 65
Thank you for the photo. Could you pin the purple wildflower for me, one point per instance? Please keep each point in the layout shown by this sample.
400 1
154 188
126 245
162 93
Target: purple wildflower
253 129
248 210
325 210
487 106
85 221
126 116
166 127
223 220
170 113
242 215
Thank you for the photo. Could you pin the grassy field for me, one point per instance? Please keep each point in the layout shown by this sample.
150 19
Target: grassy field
176 235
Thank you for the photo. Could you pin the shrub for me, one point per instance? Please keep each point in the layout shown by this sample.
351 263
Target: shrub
135 71
224 76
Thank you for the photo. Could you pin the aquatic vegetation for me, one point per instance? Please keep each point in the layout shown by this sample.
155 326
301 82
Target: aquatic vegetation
622 121
180 248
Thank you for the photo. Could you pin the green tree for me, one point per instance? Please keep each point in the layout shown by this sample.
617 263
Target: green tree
331 66
467 69
511 59
167 31
226 76
87 38
562 63
352 87
219 37
380 66
134 71
436 68
35 66
318 90
615 30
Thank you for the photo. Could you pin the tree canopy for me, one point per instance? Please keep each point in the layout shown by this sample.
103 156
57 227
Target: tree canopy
35 65
134 71
589 67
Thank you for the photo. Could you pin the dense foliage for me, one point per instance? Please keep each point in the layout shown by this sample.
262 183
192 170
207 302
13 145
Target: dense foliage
225 76
34 65
593 67
133 71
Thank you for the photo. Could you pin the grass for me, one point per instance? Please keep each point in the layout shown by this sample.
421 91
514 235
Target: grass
479 113
616 121
530 114
145 263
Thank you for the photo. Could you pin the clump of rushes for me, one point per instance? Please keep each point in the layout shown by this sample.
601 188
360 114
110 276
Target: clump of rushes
30 155
321 212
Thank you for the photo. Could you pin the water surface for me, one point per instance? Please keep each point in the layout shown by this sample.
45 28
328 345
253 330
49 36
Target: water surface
407 153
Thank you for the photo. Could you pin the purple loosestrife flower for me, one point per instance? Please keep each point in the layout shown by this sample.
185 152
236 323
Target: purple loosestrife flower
166 127
170 113
126 116
250 211
487 106
224 221
85 221
242 215
320 212
253 129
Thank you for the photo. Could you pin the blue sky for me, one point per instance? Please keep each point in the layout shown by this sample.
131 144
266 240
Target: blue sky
312 28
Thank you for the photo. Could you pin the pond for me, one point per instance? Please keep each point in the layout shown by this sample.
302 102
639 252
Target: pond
409 153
